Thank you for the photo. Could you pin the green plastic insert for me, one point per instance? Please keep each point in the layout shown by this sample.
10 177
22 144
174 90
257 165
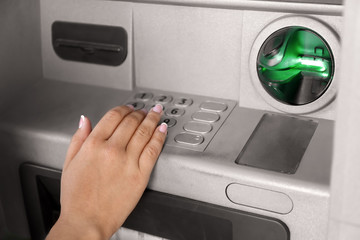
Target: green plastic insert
295 65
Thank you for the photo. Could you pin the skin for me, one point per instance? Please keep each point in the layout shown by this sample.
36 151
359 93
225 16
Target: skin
106 172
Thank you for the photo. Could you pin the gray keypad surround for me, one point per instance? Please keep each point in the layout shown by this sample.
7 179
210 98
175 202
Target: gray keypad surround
192 120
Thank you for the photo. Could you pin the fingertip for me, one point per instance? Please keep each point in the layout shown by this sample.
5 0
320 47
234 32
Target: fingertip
158 108
144 110
131 107
163 128
78 139
83 131
160 135
84 124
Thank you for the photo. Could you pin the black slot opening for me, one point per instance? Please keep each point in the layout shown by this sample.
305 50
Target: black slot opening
49 196
90 43
157 213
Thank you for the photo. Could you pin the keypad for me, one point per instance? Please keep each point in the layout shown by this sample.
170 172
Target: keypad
192 120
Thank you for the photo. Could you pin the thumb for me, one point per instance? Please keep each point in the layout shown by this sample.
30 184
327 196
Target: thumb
78 139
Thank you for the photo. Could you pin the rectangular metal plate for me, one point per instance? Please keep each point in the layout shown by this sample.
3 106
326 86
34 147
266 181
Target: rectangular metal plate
278 143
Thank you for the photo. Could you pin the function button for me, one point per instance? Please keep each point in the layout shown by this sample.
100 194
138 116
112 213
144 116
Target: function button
198 127
145 96
189 138
206 116
163 99
213 106
137 105
183 102
169 121
174 112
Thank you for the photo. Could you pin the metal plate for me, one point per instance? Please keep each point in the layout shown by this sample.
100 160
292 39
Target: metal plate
278 143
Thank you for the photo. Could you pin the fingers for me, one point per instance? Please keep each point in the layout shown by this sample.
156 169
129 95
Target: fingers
78 139
144 132
110 121
126 129
152 150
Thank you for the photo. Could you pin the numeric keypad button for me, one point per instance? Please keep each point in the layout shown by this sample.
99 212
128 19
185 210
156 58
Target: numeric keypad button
183 102
149 107
174 112
163 99
169 121
144 96
137 105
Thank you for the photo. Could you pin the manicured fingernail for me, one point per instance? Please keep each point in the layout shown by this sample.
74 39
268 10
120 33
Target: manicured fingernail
81 122
144 110
163 127
130 106
158 108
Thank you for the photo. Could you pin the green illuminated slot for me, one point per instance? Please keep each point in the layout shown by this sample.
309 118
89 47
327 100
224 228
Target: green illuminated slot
295 65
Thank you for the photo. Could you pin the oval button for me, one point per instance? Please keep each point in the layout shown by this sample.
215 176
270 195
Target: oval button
259 198
189 138
213 106
206 116
198 127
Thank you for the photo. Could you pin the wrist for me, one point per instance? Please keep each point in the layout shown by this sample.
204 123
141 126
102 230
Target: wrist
66 228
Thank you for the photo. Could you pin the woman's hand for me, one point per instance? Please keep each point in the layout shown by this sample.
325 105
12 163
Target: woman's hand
106 171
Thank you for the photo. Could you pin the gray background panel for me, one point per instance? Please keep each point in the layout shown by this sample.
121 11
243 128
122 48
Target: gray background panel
38 115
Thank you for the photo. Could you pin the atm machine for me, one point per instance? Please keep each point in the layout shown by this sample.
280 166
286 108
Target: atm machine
249 89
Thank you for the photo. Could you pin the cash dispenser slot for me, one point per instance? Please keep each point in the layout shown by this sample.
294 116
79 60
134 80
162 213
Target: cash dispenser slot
158 214
90 43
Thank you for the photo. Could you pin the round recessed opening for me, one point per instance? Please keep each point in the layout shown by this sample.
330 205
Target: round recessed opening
295 65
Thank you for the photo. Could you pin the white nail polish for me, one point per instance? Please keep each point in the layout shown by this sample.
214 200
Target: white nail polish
81 122
163 127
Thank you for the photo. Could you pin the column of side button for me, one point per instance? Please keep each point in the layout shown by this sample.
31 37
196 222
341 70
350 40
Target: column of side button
202 123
